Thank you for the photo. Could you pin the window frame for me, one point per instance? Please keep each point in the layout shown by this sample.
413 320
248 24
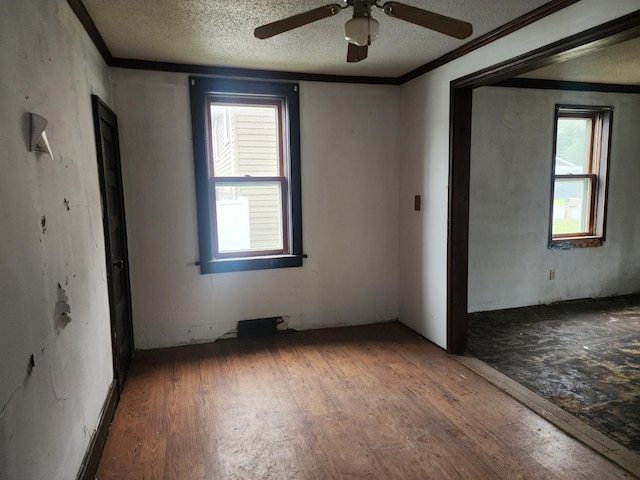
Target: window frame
202 91
281 178
601 118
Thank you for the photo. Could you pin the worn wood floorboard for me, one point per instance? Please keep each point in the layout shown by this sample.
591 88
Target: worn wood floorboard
620 455
371 402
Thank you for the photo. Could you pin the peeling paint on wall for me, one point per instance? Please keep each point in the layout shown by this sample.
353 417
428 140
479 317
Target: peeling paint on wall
42 243
63 309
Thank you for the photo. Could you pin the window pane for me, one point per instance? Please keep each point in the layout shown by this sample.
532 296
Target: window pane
571 205
245 140
249 217
573 145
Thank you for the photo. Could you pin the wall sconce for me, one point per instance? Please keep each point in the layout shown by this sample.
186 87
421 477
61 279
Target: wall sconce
39 142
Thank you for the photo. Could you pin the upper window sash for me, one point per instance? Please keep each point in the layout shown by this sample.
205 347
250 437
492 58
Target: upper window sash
243 100
589 154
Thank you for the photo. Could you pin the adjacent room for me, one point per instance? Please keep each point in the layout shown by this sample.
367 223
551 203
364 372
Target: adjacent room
242 239
581 355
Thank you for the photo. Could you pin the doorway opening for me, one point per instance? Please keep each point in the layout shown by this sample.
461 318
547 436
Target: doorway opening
475 333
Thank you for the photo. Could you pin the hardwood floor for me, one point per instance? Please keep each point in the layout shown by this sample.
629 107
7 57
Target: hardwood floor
366 402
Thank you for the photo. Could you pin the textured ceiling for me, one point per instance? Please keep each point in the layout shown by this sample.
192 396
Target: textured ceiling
220 33
619 64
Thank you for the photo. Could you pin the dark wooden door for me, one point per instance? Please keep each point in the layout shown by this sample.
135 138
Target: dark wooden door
107 146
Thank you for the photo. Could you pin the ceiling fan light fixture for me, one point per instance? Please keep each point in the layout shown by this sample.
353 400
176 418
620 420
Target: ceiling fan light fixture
361 31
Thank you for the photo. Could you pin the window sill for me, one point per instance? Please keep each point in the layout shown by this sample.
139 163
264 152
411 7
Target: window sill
251 263
569 243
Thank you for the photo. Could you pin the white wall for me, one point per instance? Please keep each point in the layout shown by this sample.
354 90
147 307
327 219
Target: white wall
350 209
350 202
424 157
49 66
509 262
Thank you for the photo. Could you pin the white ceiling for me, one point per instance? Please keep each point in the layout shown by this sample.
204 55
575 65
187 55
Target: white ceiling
220 33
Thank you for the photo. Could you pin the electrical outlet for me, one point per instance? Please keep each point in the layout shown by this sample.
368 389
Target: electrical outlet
552 274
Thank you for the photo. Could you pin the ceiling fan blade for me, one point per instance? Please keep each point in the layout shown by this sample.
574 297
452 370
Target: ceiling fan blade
356 53
433 21
289 23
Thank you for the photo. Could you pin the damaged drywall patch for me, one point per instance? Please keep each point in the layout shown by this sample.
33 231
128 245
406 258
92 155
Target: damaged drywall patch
43 224
66 204
62 312
283 325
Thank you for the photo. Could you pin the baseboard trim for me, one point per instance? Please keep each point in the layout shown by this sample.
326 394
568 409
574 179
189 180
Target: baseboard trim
91 460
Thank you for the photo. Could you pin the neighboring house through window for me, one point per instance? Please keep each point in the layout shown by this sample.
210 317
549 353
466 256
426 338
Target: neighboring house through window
246 139
580 165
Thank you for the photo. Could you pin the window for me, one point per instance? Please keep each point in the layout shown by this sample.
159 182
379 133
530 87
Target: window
246 140
579 186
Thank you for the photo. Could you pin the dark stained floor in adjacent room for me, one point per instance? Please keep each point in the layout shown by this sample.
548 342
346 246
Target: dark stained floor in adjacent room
369 402
583 356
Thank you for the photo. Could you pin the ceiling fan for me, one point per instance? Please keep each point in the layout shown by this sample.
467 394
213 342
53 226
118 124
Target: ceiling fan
363 29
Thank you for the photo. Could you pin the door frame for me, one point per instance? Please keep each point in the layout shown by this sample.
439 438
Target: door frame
461 100
101 112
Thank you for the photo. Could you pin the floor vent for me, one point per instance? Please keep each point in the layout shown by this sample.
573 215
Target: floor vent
259 327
